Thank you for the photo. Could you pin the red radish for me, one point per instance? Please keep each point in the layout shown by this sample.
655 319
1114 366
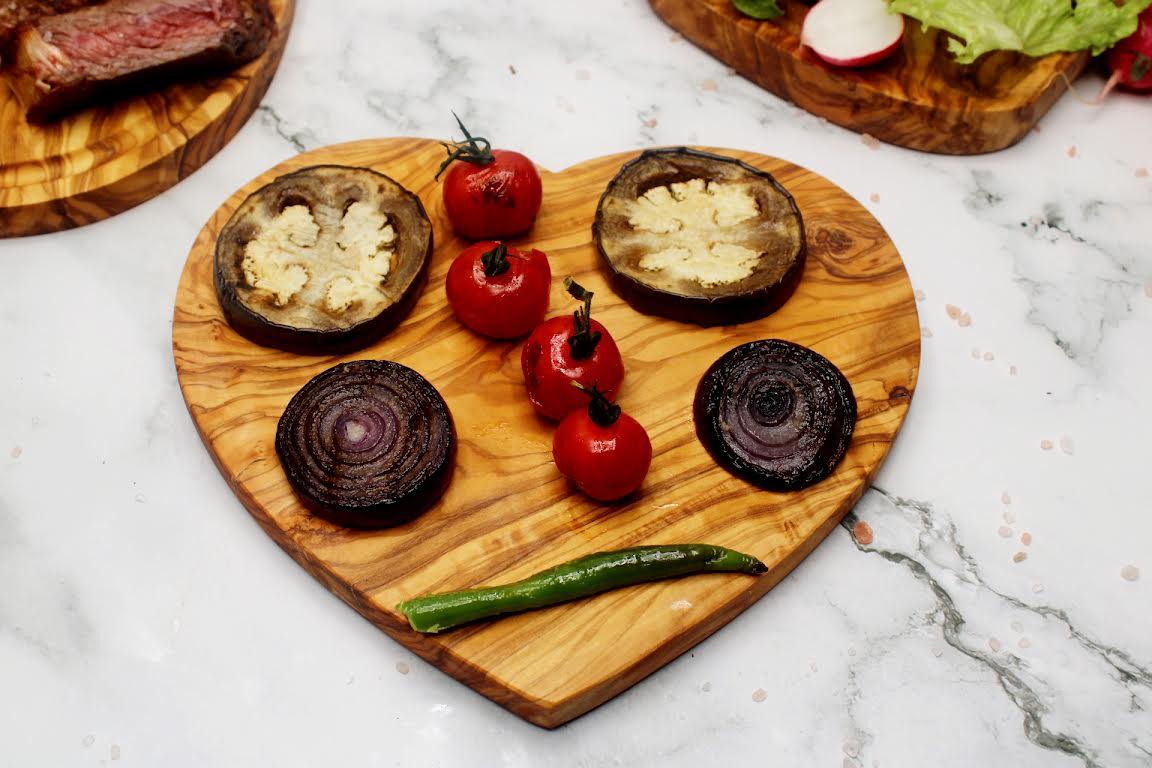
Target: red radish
852 33
1131 59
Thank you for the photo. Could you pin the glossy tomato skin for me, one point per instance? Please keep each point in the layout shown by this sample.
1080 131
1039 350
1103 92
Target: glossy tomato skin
502 306
606 463
493 201
549 368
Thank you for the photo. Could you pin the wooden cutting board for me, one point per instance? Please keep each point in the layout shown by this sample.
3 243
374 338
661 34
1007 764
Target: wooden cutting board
919 98
508 513
106 159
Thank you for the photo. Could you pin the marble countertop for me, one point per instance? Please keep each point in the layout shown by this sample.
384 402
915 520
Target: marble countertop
1000 614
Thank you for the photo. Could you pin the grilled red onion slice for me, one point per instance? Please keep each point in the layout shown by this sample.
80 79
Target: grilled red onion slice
367 444
776 414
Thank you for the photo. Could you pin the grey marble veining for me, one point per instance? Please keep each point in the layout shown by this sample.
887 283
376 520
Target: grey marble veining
1000 614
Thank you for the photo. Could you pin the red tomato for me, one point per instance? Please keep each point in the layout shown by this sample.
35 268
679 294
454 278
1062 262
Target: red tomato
566 349
489 194
604 452
498 291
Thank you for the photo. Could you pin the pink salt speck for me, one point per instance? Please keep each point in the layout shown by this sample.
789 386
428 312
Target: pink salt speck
919 294
1024 643
989 357
1148 288
1019 557
583 74
710 85
994 644
965 320
1011 370
1067 446
1026 539
114 752
1045 445
874 197
1129 573
862 532
1005 498
1141 173
870 141
1072 151
651 122
953 311
759 695
402 668
975 353
16 452
1005 532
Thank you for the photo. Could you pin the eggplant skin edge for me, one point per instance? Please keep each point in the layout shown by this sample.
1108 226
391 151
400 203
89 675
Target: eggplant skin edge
700 310
309 341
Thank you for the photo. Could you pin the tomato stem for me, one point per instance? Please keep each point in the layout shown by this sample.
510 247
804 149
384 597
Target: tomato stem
469 150
495 261
600 409
583 340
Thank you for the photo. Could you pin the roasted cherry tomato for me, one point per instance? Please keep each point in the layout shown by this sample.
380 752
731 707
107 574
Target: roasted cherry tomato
603 451
498 291
491 193
566 349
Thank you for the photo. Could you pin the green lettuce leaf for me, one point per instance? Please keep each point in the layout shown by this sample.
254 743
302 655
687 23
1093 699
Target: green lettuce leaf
762 9
1033 27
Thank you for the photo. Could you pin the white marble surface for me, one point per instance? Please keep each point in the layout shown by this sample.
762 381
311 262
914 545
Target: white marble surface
145 620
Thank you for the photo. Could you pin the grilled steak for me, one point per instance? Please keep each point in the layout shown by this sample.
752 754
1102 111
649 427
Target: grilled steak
13 13
74 59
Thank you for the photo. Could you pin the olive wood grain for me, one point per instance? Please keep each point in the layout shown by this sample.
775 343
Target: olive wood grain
919 98
101 161
508 513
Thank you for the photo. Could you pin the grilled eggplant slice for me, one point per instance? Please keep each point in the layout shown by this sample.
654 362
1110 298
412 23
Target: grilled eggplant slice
325 260
699 237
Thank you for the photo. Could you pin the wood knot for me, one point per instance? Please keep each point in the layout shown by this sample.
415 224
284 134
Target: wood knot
899 393
835 241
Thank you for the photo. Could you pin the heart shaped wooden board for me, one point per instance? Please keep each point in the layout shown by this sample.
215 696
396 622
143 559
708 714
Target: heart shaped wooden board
918 98
106 159
508 513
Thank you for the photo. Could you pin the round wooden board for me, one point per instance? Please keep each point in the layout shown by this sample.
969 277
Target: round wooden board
106 159
508 513
918 98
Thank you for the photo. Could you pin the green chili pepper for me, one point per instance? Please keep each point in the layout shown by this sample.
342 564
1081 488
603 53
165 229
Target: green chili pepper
578 578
